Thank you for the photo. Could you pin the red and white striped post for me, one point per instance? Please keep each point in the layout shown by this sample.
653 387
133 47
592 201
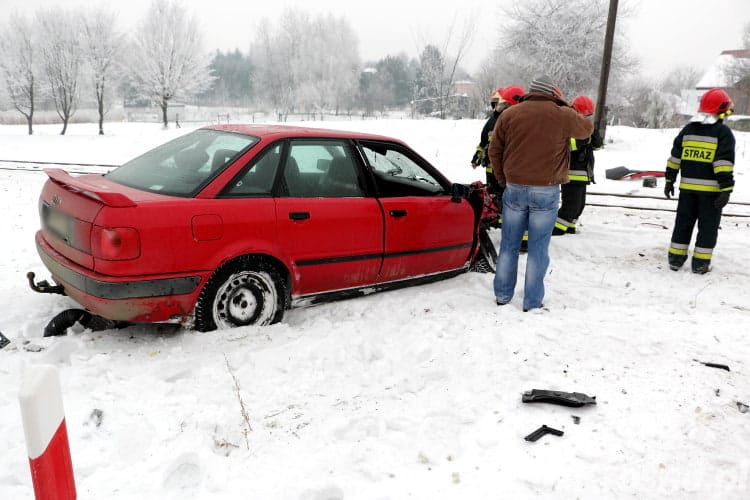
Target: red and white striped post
46 435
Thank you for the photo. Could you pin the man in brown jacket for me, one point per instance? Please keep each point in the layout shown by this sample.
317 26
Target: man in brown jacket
530 156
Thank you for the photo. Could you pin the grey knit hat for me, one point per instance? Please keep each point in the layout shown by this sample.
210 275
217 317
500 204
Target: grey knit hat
544 85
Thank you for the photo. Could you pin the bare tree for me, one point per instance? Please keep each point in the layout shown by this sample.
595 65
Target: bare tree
17 66
167 59
680 78
102 47
62 58
439 65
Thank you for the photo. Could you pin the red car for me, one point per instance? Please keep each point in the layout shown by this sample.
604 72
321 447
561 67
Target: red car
231 225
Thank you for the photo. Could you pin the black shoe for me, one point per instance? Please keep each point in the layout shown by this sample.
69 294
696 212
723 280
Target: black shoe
701 266
500 302
676 261
558 232
571 230
524 246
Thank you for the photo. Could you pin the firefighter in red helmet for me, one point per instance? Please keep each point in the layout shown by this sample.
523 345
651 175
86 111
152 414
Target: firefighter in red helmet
703 154
580 175
501 99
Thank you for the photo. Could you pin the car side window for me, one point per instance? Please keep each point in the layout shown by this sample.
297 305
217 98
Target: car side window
322 168
398 174
258 179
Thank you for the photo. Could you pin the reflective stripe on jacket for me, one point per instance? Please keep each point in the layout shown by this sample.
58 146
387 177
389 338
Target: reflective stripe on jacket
704 155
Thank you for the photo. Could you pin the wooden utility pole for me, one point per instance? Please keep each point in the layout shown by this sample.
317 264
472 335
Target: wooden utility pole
600 115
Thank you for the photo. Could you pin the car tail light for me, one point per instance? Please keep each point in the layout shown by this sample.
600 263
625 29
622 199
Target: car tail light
115 243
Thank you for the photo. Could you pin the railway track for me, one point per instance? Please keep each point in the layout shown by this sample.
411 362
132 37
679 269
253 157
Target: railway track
617 200
72 168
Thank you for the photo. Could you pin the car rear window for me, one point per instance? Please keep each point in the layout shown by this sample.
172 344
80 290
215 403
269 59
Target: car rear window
182 166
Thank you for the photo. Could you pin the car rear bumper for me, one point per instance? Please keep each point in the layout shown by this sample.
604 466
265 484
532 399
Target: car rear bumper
148 298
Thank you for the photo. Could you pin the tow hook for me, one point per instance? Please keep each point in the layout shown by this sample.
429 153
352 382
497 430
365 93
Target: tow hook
43 286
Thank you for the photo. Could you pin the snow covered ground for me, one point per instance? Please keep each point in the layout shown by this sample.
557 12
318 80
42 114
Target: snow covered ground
413 393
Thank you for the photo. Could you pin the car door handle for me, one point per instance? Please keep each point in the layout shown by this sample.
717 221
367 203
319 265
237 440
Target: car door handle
397 213
299 215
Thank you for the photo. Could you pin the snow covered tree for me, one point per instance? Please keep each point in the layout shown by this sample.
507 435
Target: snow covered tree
439 66
561 39
305 63
387 83
429 81
334 54
680 78
166 59
61 50
234 73
102 44
17 66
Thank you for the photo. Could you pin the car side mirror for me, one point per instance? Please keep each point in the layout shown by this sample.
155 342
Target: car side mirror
459 192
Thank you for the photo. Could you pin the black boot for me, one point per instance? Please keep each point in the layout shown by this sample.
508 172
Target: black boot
701 266
676 261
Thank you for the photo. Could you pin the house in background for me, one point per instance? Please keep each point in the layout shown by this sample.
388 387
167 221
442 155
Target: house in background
731 72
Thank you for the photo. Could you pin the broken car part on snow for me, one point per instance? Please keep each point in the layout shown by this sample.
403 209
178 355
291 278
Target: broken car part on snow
543 430
573 399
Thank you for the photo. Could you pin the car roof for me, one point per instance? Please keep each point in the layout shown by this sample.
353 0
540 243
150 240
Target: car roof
271 132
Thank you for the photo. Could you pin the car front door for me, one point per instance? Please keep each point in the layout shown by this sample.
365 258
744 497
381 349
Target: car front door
330 228
426 232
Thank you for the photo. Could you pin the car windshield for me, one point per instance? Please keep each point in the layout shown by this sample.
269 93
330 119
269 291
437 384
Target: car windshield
181 167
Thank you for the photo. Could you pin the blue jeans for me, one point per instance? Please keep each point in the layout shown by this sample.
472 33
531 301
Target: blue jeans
532 208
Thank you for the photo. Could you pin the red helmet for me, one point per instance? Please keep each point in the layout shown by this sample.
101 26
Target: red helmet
584 105
715 102
512 94
497 94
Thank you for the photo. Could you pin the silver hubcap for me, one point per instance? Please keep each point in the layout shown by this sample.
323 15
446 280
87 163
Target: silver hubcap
246 298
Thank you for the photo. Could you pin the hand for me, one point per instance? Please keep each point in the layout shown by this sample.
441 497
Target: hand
669 189
722 200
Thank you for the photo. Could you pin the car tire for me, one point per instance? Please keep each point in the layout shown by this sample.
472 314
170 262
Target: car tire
486 260
245 291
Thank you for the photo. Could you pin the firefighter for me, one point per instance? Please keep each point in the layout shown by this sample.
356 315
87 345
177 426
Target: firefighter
703 153
501 99
581 173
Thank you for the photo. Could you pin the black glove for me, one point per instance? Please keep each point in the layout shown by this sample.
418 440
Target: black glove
669 189
478 157
722 200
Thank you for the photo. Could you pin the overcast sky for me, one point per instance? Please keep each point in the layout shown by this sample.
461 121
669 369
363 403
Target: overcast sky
663 33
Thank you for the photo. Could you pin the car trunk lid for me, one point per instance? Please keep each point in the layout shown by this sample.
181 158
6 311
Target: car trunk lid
68 207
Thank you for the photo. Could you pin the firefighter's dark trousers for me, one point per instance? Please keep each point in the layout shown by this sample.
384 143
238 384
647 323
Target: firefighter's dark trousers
573 199
692 207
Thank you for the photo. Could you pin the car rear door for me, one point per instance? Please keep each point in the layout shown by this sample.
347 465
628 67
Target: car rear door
330 228
426 232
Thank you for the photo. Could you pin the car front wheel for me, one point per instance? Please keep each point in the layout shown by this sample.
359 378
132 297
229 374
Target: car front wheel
486 261
245 291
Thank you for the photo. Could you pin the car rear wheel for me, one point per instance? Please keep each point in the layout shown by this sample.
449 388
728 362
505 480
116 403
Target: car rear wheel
245 291
486 260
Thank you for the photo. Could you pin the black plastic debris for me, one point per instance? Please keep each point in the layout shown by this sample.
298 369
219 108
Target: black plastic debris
713 365
69 317
542 431
576 419
572 399
3 340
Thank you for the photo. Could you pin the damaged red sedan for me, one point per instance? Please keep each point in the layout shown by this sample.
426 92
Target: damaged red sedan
231 225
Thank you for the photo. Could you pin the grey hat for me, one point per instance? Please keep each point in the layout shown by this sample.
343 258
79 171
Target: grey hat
544 85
